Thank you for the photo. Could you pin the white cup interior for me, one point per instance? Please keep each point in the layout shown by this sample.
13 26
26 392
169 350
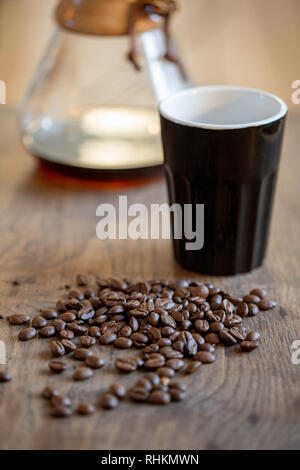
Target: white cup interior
223 107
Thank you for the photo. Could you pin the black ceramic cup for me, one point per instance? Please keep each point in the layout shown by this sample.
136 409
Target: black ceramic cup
222 147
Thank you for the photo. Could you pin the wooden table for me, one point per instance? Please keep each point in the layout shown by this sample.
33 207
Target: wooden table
48 235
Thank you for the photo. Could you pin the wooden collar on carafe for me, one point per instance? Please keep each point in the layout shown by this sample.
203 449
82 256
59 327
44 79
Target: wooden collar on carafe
109 17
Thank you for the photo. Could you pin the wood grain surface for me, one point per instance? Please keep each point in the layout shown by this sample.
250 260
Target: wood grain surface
48 235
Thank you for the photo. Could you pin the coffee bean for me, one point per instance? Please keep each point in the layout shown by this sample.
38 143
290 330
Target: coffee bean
193 367
5 376
216 327
159 397
253 310
27 334
155 362
86 409
139 339
177 395
165 372
83 373
107 338
243 309
82 280
266 304
95 362
47 331
109 401
87 341
251 299
139 393
122 343
153 378
212 338
253 336
227 337
178 386
66 334
126 364
145 383
94 331
207 347
175 364
49 313
61 412
68 317
261 293
61 400
39 322
81 354
78 330
238 333
118 390
57 348
68 345
205 357
50 392
249 345
19 319
57 366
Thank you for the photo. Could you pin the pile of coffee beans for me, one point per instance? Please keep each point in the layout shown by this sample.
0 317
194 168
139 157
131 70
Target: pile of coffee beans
174 325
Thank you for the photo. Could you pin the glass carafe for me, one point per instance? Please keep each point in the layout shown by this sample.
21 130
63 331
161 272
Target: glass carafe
88 108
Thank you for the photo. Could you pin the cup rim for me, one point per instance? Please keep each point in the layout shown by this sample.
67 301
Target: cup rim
194 90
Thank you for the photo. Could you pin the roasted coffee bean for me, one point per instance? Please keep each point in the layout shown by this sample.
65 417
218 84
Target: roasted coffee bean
109 401
178 386
198 338
118 390
226 337
107 338
212 338
47 331
81 354
75 294
27 334
19 319
205 357
163 342
68 317
94 331
243 309
123 343
253 310
57 348
50 392
68 345
61 412
66 334
261 293
126 332
202 326
175 364
251 299
83 373
57 366
5 376
207 347
48 313
87 341
266 304
85 409
59 325
238 333
253 336
78 330
193 367
216 327
39 322
145 383
82 280
249 345
155 362
95 362
165 372
126 364
176 395
151 348
61 400
139 339
153 378
139 394
159 397
61 306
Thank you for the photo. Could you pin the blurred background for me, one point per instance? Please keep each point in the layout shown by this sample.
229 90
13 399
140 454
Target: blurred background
241 42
